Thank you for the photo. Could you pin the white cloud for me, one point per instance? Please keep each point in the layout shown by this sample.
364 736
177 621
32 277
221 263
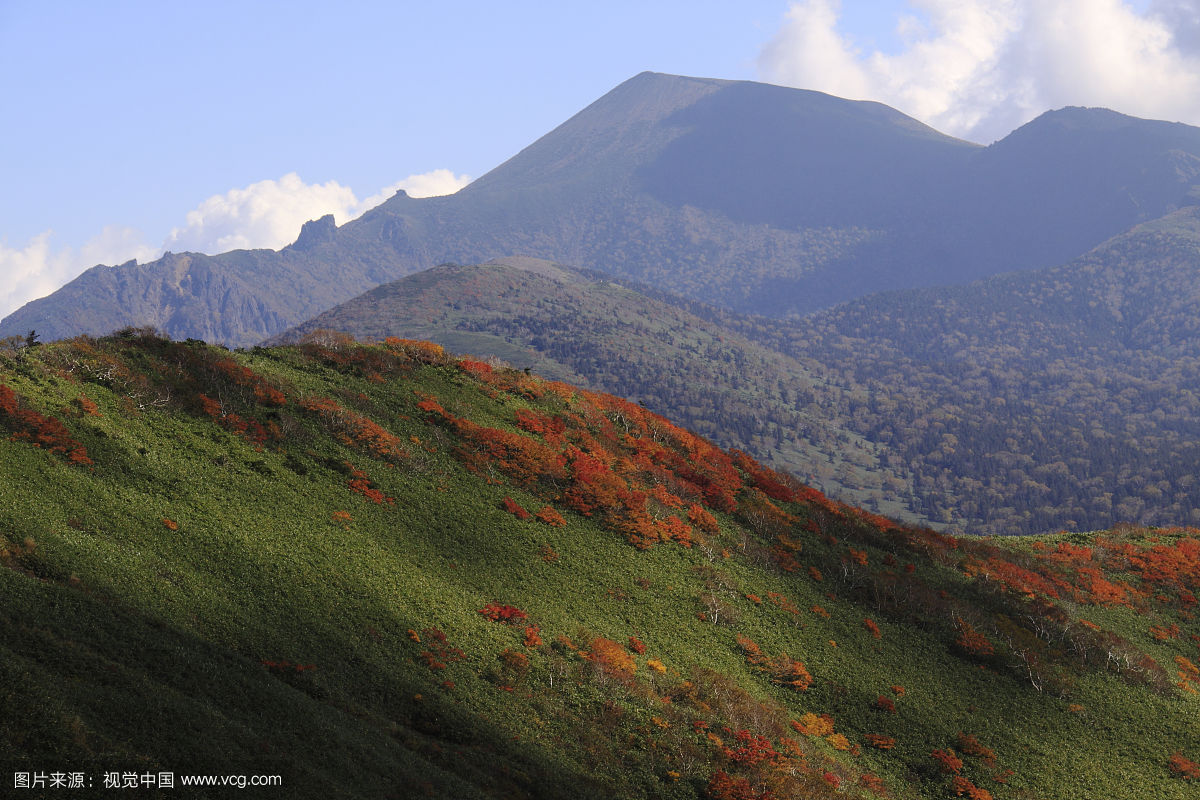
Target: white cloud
37 269
979 68
436 183
270 213
266 214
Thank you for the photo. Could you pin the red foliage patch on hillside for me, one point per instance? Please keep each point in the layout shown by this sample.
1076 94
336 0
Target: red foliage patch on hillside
28 425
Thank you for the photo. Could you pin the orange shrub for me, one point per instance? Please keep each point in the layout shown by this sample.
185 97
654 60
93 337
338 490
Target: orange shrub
964 788
533 636
838 741
612 658
87 406
702 519
790 673
1183 768
551 517
971 641
968 744
880 742
948 761
812 725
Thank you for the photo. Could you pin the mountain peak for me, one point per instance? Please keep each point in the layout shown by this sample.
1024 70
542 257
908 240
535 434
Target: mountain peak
1071 121
316 232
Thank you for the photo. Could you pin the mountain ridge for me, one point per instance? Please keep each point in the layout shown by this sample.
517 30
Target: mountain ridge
667 196
607 334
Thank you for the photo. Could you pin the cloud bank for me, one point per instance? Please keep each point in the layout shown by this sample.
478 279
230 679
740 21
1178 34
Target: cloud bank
269 213
264 214
37 269
978 69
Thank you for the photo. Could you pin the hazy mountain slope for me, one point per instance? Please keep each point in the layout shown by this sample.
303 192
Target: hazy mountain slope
379 571
582 328
1061 398
757 198
238 297
711 189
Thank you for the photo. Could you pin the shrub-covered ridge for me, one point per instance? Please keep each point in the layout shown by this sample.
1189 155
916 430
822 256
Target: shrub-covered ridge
379 570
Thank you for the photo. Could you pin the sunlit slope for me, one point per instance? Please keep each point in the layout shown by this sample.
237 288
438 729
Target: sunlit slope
638 343
383 571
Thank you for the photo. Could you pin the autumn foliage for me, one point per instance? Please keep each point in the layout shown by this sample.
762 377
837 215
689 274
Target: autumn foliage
512 507
509 615
611 658
439 652
1183 768
48 433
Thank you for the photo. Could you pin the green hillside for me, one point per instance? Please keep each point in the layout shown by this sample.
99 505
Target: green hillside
583 328
380 571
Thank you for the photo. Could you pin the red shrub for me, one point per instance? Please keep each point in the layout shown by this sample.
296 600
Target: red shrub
509 615
440 653
512 507
751 749
971 641
39 430
724 787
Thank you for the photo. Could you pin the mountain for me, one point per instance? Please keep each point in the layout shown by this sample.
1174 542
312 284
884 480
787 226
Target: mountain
378 570
1063 398
584 328
757 198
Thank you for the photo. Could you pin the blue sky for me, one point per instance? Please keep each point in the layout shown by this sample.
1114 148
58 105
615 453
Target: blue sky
137 126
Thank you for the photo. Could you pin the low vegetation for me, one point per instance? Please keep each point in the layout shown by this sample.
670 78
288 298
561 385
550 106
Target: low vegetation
381 570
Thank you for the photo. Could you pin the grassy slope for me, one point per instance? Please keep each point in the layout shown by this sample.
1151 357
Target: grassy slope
587 330
146 592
